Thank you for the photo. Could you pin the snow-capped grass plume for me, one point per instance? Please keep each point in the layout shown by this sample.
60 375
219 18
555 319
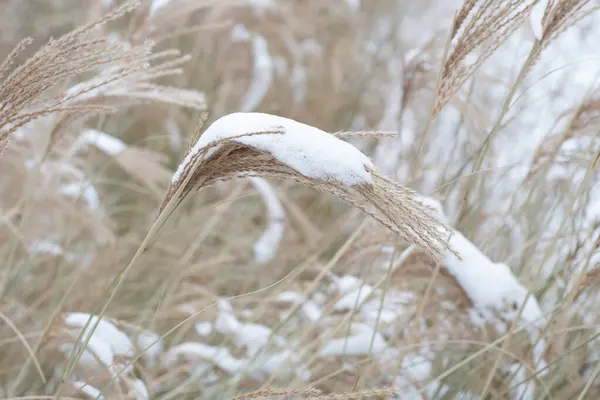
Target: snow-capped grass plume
257 144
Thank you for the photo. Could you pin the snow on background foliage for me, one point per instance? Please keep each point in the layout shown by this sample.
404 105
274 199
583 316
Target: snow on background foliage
259 283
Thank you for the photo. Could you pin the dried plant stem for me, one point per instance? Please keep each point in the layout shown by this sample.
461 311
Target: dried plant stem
589 383
483 150
387 280
432 112
357 395
483 350
23 340
23 371
582 273
280 392
154 230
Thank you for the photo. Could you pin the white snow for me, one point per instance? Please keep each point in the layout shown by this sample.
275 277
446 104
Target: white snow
358 344
354 298
290 297
262 74
103 141
354 4
97 351
345 284
535 18
88 390
492 286
224 305
249 336
298 81
414 372
203 328
82 190
175 136
438 210
139 390
392 308
191 351
267 245
152 346
240 33
488 284
311 310
309 150
252 337
524 389
282 363
157 5
119 342
227 323
260 6
45 246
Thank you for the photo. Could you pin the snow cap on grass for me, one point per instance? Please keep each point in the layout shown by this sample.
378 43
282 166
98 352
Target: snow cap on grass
306 149
489 285
493 286
256 144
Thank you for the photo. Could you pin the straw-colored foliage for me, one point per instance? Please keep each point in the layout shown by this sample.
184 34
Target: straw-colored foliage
360 296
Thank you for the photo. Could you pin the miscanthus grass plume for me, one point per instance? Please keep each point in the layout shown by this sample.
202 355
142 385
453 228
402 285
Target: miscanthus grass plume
256 144
25 91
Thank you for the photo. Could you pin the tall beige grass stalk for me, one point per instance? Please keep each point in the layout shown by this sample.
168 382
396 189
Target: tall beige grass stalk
479 28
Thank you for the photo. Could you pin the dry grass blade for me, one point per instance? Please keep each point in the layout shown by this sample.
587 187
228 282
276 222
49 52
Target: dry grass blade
374 134
260 394
357 395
